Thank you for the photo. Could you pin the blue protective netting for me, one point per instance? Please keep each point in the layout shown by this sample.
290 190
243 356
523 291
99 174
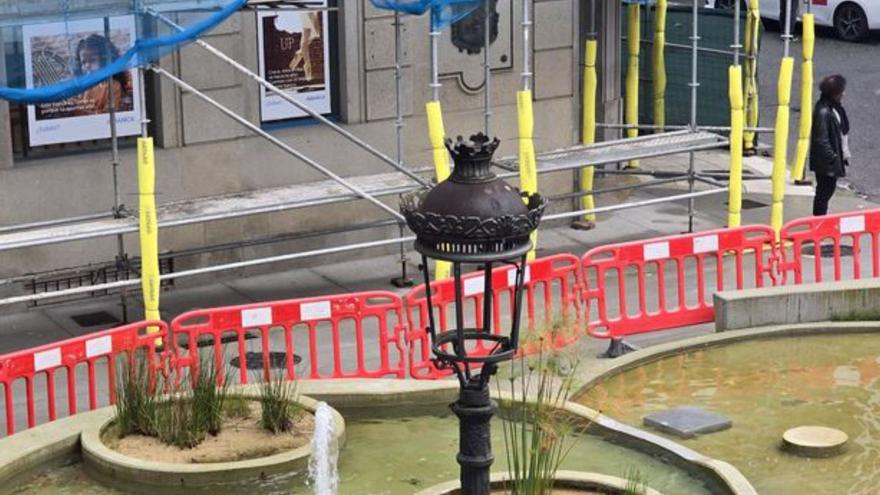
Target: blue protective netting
443 12
56 49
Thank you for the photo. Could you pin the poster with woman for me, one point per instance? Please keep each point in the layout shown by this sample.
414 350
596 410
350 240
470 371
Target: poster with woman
294 55
57 51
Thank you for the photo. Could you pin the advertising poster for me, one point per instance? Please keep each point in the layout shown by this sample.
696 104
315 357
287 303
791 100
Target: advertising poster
57 51
294 55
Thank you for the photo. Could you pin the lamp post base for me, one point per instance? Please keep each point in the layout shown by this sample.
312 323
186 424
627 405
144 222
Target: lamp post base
474 409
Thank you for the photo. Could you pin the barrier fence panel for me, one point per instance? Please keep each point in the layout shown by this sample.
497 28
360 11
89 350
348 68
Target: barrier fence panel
29 378
806 242
612 291
341 336
669 282
551 308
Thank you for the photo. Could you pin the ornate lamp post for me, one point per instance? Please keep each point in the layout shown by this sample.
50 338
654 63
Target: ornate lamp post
474 218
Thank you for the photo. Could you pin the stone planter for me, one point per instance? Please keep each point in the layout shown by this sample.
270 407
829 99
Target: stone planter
121 470
568 481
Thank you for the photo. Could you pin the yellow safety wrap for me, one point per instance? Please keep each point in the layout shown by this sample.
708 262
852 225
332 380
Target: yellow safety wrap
149 231
737 122
781 143
437 134
753 31
660 65
632 74
803 145
588 131
528 168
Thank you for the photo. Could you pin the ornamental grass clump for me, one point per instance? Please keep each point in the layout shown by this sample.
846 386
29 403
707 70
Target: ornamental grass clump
136 396
191 410
537 433
277 400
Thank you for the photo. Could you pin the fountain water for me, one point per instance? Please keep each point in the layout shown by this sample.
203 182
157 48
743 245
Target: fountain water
325 452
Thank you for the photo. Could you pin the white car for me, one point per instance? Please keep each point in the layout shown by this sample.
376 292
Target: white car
852 20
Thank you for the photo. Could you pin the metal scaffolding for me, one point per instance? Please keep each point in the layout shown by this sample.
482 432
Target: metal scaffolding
671 140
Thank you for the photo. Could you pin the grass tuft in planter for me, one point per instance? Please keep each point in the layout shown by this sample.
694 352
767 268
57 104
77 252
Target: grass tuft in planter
277 396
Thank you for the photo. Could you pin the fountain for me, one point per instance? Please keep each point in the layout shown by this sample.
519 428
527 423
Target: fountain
325 451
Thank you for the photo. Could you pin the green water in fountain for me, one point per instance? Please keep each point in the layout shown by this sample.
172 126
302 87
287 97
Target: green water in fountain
766 387
403 454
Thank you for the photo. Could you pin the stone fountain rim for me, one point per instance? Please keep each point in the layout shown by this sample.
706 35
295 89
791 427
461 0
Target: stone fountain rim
108 462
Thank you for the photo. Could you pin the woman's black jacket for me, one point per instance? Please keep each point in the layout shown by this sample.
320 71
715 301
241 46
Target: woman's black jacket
826 148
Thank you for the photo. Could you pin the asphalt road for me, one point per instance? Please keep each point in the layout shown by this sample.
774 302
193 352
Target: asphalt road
860 64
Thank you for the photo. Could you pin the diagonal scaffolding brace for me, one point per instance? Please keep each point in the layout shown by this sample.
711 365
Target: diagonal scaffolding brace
274 140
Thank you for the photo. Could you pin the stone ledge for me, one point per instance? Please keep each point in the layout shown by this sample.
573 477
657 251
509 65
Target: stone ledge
808 303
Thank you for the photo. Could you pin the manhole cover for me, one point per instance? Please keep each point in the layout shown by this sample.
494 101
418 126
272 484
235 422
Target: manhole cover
687 421
94 319
827 251
254 360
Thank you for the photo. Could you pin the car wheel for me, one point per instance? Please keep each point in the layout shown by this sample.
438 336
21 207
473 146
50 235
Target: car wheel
850 22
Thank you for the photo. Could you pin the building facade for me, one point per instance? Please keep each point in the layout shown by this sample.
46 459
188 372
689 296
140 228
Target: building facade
202 153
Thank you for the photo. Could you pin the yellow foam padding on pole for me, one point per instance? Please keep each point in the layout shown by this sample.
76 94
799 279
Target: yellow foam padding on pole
149 231
437 134
737 123
803 146
632 74
660 65
588 131
528 168
753 23
780 147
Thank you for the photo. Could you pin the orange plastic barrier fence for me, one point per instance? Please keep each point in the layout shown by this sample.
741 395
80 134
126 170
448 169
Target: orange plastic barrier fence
802 242
612 292
550 308
622 273
374 320
62 361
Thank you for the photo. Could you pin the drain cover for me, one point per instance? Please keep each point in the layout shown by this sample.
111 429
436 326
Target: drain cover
95 319
254 360
687 421
827 251
751 204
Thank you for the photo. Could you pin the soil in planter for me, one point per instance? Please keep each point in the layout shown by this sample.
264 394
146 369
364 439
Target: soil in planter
239 439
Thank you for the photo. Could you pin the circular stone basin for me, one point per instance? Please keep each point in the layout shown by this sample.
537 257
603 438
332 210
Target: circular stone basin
814 441
567 483
118 469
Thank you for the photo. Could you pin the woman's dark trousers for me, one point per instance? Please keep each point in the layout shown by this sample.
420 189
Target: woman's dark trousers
825 187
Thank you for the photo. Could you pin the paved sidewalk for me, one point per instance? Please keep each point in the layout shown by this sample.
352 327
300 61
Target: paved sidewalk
43 325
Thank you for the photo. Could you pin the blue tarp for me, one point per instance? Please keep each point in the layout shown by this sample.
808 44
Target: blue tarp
152 40
443 12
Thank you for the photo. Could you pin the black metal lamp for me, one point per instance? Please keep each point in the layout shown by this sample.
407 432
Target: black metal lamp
474 218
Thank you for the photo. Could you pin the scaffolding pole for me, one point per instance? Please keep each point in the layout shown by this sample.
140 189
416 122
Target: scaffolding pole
694 84
588 125
403 280
121 257
780 145
437 132
734 200
487 72
798 170
277 142
528 167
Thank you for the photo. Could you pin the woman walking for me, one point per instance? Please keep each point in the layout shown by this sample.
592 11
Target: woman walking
829 146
